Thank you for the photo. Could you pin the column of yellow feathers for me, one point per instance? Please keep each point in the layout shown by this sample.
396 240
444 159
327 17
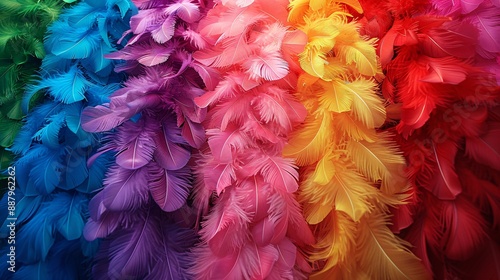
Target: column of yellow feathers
350 174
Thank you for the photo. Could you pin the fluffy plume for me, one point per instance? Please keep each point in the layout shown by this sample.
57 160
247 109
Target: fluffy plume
154 128
54 183
351 174
255 229
445 117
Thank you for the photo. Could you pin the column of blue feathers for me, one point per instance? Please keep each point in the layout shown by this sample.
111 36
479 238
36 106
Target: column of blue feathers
54 182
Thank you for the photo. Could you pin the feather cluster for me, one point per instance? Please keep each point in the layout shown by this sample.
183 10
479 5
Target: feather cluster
255 229
251 139
155 128
440 59
350 173
53 181
22 28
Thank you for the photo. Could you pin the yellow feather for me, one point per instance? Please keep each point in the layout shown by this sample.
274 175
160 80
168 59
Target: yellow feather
316 212
307 143
313 62
366 106
362 53
337 150
297 10
376 160
382 255
351 192
317 4
334 98
325 169
336 239
321 33
354 4
334 68
347 124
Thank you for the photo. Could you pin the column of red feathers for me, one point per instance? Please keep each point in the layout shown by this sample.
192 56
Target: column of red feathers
436 56
255 230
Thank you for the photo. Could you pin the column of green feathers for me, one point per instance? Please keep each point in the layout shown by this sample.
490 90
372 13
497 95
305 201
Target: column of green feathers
22 27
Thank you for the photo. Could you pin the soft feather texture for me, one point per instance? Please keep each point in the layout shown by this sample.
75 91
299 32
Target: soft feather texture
437 78
54 183
153 128
22 28
255 229
350 174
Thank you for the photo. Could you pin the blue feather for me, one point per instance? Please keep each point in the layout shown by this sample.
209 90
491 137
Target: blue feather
70 223
97 63
37 237
76 170
26 206
34 121
77 44
49 134
83 15
73 113
67 87
45 174
38 271
97 172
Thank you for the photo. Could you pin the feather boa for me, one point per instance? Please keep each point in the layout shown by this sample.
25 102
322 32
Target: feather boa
445 105
54 183
21 49
140 211
255 230
350 173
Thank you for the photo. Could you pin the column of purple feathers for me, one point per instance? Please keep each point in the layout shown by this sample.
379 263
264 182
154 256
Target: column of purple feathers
155 127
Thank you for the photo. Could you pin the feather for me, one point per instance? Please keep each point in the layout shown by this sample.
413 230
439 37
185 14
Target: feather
485 149
170 153
394 260
445 183
125 189
169 188
365 106
306 142
380 160
269 66
184 9
461 216
100 118
138 150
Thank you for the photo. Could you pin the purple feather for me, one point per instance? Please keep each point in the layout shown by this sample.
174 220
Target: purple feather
125 189
169 188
